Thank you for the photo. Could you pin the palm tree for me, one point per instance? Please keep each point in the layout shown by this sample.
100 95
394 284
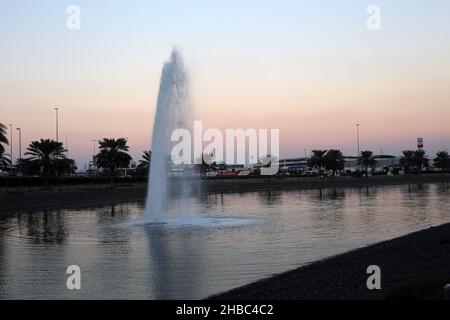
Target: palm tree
442 160
420 159
366 159
407 160
113 155
45 154
317 159
65 166
144 164
5 161
3 138
146 158
334 161
28 167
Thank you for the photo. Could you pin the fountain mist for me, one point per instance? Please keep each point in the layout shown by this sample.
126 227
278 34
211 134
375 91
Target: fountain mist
172 112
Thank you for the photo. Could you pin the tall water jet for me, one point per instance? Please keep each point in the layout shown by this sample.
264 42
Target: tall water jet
171 113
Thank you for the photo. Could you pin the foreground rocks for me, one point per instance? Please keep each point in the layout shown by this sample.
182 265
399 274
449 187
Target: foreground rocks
414 266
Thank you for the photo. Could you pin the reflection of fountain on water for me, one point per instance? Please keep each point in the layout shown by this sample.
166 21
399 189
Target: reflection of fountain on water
200 222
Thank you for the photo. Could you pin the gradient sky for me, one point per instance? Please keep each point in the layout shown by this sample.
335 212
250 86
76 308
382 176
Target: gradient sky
310 68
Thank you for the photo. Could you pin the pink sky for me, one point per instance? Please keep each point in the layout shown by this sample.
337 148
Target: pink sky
311 80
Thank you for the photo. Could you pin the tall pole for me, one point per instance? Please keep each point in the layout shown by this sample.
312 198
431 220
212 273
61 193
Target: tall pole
57 137
357 136
11 143
305 154
67 147
93 143
57 124
20 142
94 164
20 149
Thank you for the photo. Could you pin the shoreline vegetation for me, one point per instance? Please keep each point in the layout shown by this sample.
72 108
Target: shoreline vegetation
413 266
29 198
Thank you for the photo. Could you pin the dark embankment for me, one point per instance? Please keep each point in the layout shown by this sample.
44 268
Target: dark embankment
415 266
304 183
31 198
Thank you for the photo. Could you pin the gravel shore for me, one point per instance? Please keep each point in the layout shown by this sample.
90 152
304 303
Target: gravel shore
415 266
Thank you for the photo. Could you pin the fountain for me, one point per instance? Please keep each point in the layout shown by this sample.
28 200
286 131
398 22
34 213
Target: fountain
172 112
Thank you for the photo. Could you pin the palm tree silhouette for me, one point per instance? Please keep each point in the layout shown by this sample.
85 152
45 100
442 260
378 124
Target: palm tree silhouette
366 159
45 154
113 155
442 160
417 159
5 161
317 159
334 161
407 160
146 158
3 138
143 167
420 159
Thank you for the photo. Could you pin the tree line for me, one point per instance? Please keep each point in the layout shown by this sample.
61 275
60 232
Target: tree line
413 161
46 158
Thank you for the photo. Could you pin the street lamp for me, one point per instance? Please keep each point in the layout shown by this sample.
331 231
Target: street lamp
94 164
57 129
20 142
357 136
20 149
94 144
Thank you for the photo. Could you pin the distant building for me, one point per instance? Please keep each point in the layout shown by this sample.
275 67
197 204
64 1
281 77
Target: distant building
293 165
300 165
351 163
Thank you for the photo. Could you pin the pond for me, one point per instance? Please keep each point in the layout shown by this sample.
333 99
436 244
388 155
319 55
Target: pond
235 239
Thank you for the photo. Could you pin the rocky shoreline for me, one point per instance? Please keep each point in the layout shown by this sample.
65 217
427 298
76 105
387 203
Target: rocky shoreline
414 266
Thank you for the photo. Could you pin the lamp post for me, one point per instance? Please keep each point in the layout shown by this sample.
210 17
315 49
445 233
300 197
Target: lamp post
57 125
93 143
357 136
305 154
67 147
20 149
57 136
94 162
11 142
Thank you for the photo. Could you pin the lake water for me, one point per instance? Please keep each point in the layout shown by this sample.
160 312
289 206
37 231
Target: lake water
241 237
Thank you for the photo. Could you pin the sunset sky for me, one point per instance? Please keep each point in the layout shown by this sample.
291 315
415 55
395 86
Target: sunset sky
309 68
